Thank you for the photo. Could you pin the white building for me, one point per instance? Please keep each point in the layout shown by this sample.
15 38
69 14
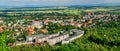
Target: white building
46 38
22 43
40 37
31 38
54 40
37 24
78 33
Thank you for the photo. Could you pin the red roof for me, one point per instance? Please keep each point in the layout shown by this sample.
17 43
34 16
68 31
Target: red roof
89 13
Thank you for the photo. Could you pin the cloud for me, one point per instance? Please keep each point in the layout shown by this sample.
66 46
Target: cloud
64 0
113 1
25 0
42 0
54 2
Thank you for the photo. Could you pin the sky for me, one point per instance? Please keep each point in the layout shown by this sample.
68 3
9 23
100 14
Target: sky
52 2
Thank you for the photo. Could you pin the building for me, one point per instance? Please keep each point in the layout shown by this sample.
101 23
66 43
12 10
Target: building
44 30
89 13
78 33
46 38
42 39
1 21
53 21
1 29
32 37
22 43
30 30
52 39
56 39
37 24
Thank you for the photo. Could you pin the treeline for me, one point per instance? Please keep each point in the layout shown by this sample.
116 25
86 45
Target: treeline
24 10
5 14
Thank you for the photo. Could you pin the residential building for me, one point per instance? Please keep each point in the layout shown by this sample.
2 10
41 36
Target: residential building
78 33
56 39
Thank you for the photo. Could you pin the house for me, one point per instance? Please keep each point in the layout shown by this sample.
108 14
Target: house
46 22
30 30
1 29
80 25
62 24
89 13
90 21
44 30
37 24
1 21
10 44
83 20
53 21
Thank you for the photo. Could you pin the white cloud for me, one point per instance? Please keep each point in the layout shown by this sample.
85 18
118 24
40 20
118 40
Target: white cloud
54 2
42 0
113 0
24 0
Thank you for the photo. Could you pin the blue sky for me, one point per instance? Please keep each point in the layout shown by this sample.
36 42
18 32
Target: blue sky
53 2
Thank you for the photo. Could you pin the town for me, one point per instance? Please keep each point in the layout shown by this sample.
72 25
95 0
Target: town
37 31
58 28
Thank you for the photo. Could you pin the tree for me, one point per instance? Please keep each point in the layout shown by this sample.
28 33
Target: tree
3 42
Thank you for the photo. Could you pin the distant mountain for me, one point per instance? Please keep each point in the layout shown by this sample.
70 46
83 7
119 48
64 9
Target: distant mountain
1 6
25 6
107 4
4 6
